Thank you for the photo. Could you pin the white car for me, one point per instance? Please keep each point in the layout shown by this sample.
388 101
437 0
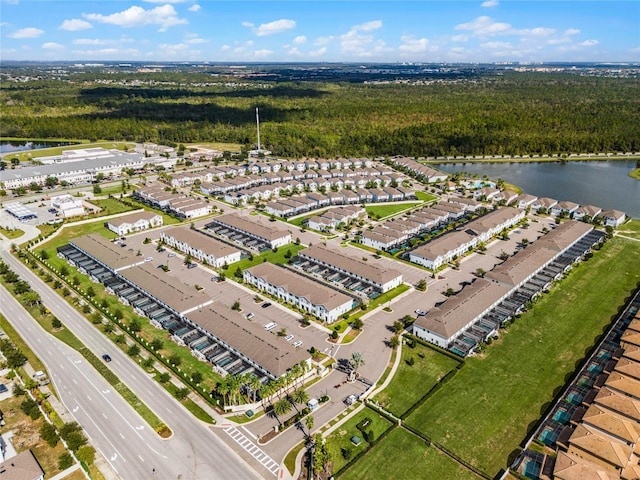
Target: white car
288 338
270 326
250 315
298 343
420 312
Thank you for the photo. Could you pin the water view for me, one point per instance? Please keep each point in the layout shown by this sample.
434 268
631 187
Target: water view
605 184
9 147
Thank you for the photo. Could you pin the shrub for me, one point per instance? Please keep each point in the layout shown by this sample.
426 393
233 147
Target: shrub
334 334
133 350
346 453
56 323
65 460
175 360
164 377
411 361
49 434
86 454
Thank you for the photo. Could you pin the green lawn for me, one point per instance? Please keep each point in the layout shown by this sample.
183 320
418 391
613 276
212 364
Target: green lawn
389 209
635 173
341 437
486 410
630 229
426 197
48 152
402 455
270 256
111 206
299 221
11 234
411 383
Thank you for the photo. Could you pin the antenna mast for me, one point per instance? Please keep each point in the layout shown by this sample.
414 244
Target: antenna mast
258 126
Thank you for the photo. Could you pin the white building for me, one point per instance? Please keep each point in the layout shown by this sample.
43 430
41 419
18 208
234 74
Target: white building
135 222
201 246
69 206
613 218
319 300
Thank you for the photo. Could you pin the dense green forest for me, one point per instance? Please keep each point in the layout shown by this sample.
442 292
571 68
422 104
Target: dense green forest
510 114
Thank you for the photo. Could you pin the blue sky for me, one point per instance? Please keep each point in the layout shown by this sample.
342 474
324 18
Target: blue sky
314 31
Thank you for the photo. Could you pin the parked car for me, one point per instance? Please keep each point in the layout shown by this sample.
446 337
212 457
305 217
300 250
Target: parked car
250 315
420 312
298 343
265 305
192 265
270 326
288 338
106 357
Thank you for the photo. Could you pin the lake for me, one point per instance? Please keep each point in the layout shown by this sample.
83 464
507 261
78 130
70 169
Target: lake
605 184
9 147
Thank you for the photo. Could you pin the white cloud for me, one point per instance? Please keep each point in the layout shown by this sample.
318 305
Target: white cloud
29 32
321 52
485 26
368 26
276 26
411 44
164 1
194 8
248 24
589 43
52 46
323 40
74 25
495 45
293 51
571 31
460 38
357 43
261 53
90 41
225 48
193 40
536 32
300 39
164 16
489 3
4 24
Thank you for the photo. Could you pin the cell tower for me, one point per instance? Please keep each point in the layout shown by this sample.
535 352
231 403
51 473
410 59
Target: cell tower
258 126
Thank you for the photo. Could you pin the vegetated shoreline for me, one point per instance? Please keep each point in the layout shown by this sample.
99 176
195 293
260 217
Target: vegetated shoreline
556 159
635 174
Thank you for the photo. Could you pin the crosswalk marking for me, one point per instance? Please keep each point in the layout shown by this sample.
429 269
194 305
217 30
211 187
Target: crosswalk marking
253 450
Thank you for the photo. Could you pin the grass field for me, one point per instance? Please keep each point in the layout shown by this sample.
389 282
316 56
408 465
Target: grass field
389 209
426 197
228 147
341 437
411 383
487 409
270 256
630 229
49 152
403 455
11 234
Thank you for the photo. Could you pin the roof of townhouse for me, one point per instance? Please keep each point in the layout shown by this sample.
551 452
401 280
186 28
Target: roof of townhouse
612 214
380 237
609 422
572 467
526 198
23 466
591 440
255 225
628 367
374 272
441 245
522 265
132 218
624 384
567 205
494 218
546 202
107 252
169 290
199 241
300 286
384 230
590 210
449 207
271 352
619 403
465 201
457 311
564 235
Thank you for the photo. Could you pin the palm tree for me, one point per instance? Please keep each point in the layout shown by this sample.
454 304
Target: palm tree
224 388
234 384
296 372
309 421
255 385
300 396
282 407
357 360
266 391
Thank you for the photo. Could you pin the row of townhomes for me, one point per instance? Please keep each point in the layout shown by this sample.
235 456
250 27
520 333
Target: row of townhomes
75 166
454 244
475 313
214 332
594 430
255 233
563 208
201 247
322 301
183 206
134 222
366 279
332 218
396 232
417 169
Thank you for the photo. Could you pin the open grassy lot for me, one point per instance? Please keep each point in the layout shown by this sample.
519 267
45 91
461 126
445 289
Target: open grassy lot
484 412
111 206
426 197
11 234
389 209
270 256
630 229
411 382
403 455
48 152
341 437
223 147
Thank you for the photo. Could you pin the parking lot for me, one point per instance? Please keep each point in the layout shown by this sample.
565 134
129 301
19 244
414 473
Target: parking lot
228 292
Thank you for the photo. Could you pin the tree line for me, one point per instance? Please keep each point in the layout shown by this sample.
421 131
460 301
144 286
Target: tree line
511 114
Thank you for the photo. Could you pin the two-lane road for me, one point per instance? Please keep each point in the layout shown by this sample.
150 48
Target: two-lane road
193 452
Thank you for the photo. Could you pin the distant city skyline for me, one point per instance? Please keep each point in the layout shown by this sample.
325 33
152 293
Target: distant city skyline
321 31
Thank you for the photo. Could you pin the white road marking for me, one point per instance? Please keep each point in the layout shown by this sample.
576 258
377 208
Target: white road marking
252 449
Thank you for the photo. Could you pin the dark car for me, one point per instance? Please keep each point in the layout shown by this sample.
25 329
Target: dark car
265 305
106 357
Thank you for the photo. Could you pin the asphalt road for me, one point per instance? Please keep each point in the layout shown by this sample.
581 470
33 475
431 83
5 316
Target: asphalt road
126 441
